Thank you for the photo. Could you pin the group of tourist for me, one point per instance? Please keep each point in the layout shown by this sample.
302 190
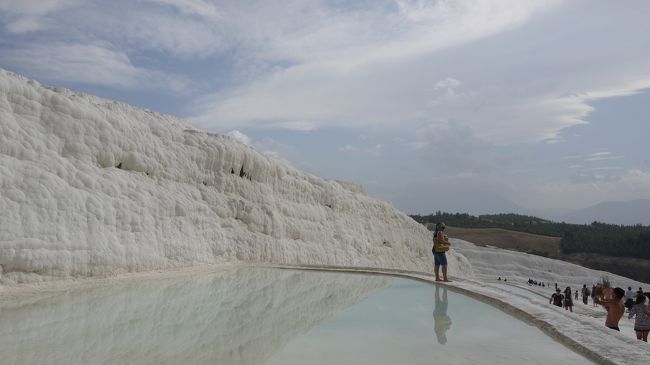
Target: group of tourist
562 299
535 282
615 301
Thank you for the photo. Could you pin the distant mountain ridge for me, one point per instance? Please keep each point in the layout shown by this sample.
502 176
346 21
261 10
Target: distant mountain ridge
629 212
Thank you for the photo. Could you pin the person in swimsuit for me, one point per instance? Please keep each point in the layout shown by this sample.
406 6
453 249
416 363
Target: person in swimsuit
615 308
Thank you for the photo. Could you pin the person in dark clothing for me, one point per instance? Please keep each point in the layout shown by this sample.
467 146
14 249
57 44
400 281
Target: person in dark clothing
593 295
568 302
585 294
557 298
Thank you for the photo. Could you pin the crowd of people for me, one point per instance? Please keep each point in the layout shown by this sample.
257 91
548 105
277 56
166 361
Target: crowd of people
535 282
562 299
615 301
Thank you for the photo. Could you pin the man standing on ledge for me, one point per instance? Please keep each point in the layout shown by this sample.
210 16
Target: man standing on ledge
440 246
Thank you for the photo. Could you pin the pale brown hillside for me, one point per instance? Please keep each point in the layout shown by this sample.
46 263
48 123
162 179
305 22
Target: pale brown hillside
638 269
512 240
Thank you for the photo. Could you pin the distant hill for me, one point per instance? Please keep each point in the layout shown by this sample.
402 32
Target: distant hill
510 240
510 221
622 212
594 238
631 267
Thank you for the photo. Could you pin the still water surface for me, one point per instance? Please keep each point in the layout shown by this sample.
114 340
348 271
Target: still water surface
268 316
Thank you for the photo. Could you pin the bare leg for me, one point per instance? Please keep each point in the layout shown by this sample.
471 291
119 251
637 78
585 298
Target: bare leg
437 267
444 273
645 336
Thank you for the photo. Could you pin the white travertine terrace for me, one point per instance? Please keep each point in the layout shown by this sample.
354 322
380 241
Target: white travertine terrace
91 187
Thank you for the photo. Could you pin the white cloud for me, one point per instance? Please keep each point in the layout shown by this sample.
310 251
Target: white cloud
453 80
309 65
179 28
347 148
592 157
91 64
445 91
239 136
374 151
455 149
197 8
607 168
167 32
29 16
445 61
603 158
585 190
350 69
282 151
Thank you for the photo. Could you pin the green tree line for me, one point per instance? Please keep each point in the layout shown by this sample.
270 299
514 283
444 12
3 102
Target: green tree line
600 238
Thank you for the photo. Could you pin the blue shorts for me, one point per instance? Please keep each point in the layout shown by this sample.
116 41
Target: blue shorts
439 259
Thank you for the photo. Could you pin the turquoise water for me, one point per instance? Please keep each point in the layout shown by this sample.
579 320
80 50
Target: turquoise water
267 316
418 323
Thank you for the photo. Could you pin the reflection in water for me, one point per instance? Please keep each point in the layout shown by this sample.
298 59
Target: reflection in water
394 326
442 322
238 316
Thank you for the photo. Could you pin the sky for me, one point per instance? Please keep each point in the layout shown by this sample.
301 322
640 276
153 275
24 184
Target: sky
477 106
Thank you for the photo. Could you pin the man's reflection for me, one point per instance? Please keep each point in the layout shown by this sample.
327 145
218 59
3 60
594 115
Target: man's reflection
442 322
